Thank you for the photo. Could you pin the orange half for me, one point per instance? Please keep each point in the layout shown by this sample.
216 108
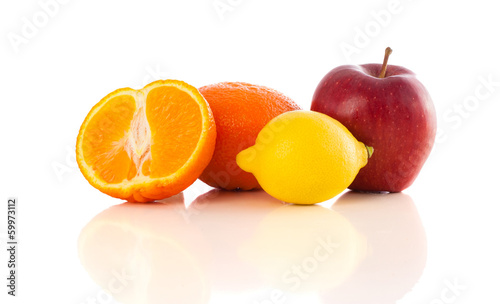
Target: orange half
148 144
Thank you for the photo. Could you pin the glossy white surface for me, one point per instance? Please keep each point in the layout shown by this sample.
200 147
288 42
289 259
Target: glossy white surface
257 247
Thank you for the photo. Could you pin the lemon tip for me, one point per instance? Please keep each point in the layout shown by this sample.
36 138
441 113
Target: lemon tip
245 157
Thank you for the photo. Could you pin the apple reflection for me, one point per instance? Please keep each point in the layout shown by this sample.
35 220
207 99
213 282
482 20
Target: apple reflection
396 248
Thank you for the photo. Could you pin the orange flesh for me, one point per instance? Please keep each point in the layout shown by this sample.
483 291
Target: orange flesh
127 139
175 121
103 146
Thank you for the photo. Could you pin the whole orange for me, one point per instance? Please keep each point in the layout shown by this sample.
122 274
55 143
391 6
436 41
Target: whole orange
240 111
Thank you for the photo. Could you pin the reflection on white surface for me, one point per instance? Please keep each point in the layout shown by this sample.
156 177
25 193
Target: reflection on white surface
228 220
305 249
146 253
397 248
252 248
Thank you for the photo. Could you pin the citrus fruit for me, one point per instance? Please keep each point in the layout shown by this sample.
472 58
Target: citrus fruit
304 157
240 110
148 144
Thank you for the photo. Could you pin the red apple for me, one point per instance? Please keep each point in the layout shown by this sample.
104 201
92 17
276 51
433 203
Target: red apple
387 108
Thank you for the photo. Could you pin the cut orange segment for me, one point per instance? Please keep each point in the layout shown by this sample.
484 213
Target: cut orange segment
148 144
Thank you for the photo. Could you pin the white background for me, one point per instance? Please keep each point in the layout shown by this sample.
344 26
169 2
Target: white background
79 51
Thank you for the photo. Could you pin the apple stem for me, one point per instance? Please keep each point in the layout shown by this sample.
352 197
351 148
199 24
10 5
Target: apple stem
388 52
369 150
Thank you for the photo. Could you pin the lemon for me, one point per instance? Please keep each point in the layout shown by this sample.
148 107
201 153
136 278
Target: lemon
304 157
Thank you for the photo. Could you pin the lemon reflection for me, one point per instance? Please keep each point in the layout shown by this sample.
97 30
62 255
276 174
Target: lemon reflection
306 248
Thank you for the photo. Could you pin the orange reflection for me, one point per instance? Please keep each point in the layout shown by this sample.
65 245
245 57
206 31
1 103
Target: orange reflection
146 253
228 220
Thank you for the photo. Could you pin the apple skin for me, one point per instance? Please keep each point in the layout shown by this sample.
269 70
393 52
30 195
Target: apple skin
394 115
